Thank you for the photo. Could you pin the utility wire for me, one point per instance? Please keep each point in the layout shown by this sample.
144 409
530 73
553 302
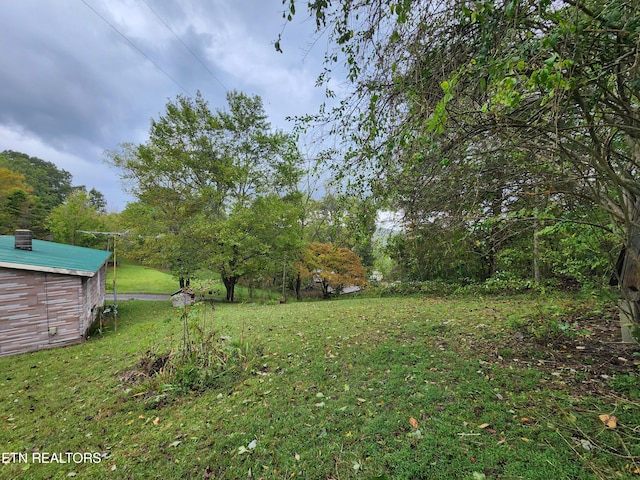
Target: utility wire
135 47
185 45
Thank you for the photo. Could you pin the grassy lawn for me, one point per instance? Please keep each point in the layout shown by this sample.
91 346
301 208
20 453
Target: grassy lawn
397 388
131 278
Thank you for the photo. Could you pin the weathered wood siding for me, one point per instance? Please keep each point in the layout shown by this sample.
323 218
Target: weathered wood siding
93 297
42 310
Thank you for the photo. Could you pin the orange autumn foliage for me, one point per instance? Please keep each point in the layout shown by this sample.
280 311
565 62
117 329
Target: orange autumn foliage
333 267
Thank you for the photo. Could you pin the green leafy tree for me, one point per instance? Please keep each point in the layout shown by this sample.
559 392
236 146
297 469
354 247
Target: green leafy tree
578 250
143 239
555 80
18 206
253 241
199 175
16 202
50 184
345 221
97 199
435 251
69 222
11 181
48 187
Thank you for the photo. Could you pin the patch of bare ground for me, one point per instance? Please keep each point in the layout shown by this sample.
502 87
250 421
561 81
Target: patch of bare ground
579 350
149 365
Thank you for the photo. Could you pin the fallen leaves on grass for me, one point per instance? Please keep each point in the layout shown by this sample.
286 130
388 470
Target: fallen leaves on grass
528 421
633 469
610 421
252 445
413 422
586 444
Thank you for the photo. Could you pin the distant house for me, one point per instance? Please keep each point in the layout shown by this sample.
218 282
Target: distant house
49 292
376 276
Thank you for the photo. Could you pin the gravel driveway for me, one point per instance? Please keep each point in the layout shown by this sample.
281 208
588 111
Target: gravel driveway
138 296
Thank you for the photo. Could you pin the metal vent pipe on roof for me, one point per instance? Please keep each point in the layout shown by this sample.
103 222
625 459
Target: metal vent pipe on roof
23 239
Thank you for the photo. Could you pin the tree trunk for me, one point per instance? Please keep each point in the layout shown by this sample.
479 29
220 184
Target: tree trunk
628 311
629 291
284 276
325 290
494 232
629 274
298 287
230 285
492 260
536 248
629 305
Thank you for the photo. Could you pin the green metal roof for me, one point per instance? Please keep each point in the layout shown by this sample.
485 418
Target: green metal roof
52 257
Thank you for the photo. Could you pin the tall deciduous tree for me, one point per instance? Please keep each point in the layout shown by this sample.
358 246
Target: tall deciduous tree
200 174
555 80
11 181
69 221
254 240
16 201
344 221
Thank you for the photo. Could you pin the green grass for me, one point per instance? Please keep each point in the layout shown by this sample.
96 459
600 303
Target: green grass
132 278
330 392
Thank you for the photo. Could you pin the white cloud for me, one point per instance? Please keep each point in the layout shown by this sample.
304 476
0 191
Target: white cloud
87 170
71 87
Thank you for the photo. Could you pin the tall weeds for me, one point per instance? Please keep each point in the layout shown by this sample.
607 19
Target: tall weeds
204 359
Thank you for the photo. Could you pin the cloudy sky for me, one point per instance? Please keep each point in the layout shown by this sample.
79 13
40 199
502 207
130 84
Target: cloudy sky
79 77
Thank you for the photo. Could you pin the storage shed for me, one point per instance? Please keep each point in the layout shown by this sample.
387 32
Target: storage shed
49 292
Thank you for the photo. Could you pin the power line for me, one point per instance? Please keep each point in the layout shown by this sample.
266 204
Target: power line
185 45
134 46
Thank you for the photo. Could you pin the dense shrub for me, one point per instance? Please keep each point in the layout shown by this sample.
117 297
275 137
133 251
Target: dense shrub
492 286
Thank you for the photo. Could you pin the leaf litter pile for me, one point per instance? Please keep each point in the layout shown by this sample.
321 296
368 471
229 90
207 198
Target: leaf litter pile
579 350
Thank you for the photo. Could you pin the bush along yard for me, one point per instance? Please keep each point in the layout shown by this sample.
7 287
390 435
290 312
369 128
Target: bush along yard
396 388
